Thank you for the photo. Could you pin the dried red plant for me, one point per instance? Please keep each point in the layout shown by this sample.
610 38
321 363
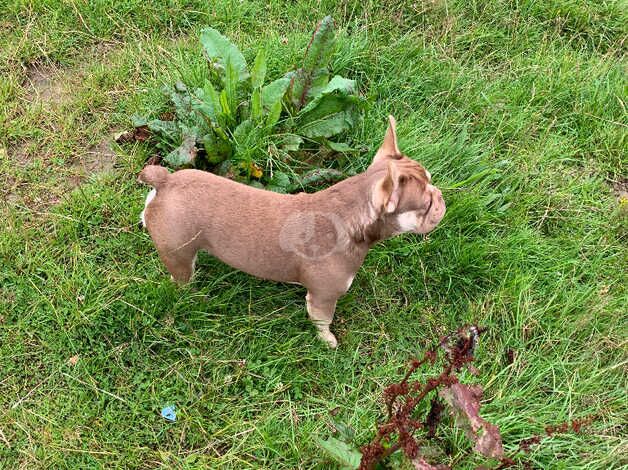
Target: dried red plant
463 401
401 399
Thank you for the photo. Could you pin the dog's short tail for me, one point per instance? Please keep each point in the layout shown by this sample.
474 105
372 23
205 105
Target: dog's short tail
153 175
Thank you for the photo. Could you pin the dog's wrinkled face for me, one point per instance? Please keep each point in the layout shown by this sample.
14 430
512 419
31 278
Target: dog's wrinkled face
403 194
421 206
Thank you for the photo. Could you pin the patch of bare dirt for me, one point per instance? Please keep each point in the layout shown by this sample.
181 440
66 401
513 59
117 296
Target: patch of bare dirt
621 190
49 88
28 195
621 193
19 154
44 84
39 194
99 158
10 197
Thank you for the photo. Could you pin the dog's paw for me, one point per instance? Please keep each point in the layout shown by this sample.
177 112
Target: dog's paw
329 338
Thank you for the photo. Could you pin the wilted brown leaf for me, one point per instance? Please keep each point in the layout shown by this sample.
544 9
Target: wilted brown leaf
141 133
465 403
434 416
154 160
73 360
510 356
420 464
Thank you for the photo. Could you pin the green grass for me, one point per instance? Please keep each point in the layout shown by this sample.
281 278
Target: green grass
522 101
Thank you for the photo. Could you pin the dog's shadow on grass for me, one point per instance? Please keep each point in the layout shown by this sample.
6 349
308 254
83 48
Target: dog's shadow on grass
224 301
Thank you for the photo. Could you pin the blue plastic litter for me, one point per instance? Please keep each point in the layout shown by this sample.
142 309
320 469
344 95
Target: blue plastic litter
169 413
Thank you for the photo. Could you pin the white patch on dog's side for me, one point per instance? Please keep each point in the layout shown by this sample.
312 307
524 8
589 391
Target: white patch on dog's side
151 195
407 221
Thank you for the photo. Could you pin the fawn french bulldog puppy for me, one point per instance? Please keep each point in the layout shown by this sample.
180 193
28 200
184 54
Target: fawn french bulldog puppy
318 240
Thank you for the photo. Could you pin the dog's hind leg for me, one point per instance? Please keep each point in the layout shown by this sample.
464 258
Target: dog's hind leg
180 265
320 309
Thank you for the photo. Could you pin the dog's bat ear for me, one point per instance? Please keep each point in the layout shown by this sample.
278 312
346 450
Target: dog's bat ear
389 146
386 192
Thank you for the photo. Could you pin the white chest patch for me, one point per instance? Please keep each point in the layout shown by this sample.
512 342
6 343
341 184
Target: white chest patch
151 195
407 221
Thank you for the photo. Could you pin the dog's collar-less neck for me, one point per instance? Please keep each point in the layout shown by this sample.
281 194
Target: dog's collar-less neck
362 222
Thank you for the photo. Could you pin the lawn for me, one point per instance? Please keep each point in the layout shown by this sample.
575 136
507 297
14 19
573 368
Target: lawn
517 108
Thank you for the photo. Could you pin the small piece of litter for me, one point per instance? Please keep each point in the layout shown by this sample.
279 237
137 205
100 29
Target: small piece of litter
169 413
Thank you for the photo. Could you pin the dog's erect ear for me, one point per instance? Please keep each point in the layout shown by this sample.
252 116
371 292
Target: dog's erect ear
386 191
389 146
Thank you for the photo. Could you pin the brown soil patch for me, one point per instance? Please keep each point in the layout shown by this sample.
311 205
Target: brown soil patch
99 157
19 154
11 198
621 190
44 84
34 195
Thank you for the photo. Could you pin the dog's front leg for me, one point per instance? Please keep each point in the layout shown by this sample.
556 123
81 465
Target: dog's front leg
320 309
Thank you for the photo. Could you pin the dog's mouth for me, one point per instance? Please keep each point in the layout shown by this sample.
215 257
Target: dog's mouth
429 207
433 213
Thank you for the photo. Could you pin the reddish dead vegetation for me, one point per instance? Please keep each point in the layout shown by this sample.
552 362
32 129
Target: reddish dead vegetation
525 445
139 134
401 399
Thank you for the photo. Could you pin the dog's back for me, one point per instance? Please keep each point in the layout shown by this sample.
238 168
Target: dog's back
238 224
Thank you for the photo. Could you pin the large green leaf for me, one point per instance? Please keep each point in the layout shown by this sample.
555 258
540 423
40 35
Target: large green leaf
337 86
320 79
168 130
231 87
329 125
344 454
305 86
339 146
182 101
273 115
345 432
216 149
291 142
279 183
333 111
328 105
184 154
138 121
321 46
314 72
224 104
242 132
256 105
221 50
207 101
259 69
273 92
320 175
